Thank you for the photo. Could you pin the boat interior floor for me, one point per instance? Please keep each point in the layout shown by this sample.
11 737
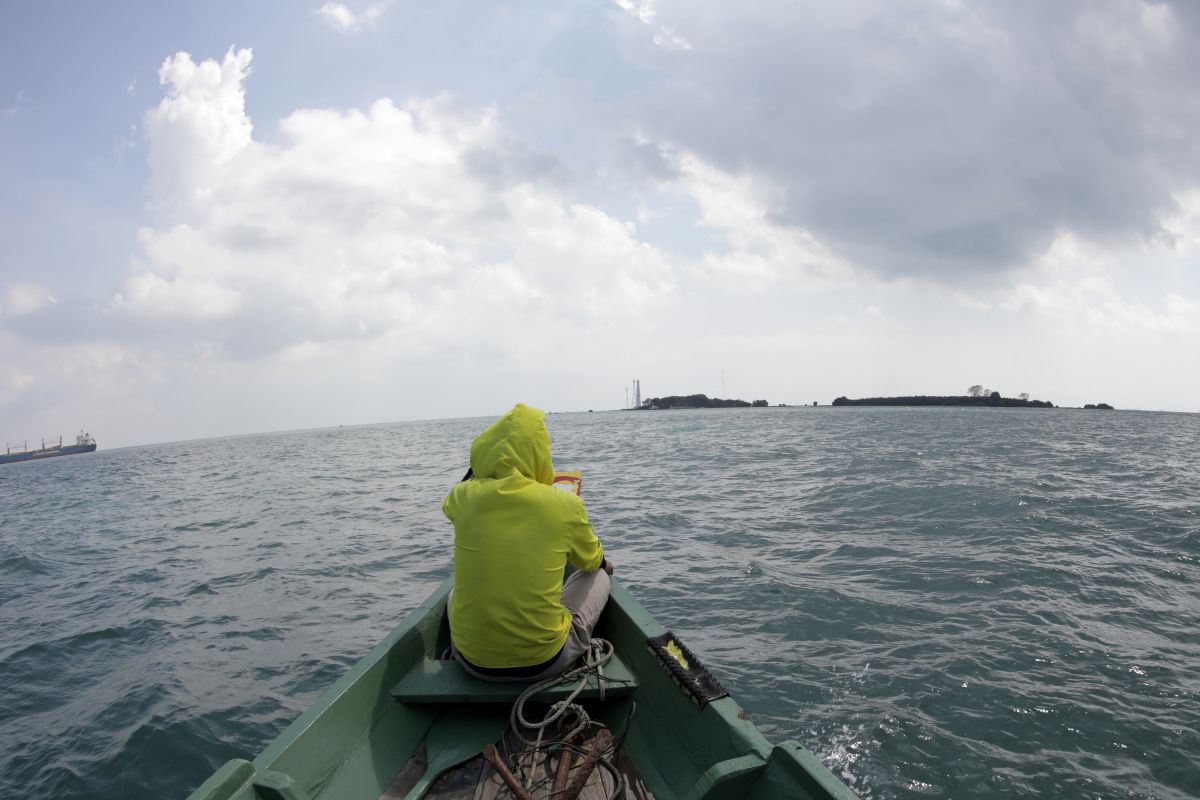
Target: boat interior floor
477 779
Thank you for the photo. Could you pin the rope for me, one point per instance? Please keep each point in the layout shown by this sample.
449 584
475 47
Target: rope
599 653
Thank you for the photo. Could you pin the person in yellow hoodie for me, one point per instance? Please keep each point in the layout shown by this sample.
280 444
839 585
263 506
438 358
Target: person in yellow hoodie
512 617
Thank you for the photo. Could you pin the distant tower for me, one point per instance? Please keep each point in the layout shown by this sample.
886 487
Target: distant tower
637 393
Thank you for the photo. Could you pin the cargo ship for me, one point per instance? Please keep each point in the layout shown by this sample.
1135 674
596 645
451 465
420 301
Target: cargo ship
84 443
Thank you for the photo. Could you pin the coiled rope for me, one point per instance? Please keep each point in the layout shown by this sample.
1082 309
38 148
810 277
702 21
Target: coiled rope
573 720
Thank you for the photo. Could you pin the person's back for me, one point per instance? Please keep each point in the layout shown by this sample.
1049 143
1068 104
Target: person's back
510 616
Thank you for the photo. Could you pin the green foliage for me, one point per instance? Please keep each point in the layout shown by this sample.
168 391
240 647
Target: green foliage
993 399
696 401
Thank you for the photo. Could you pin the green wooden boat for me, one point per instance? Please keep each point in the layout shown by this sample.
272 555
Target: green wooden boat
403 713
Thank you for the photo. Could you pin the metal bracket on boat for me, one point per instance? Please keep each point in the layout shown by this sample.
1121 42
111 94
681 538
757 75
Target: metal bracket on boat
685 669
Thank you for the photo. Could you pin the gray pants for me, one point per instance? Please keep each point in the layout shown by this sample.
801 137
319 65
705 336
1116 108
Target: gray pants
585 595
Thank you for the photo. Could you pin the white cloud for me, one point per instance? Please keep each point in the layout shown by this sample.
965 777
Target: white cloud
365 224
947 140
641 10
1182 228
153 295
1078 290
1158 20
969 301
367 258
339 16
20 299
1180 306
47 388
198 129
758 252
645 12
668 39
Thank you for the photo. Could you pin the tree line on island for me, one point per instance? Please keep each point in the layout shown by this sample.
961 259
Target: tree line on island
697 401
976 395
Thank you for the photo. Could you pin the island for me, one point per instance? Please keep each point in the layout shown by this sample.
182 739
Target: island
696 401
1099 406
993 400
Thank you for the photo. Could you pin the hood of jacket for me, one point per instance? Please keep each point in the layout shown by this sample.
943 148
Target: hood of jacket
516 444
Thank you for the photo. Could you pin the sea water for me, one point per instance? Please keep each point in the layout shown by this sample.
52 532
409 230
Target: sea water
939 602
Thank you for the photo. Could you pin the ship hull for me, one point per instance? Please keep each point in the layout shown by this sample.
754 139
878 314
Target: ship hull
34 455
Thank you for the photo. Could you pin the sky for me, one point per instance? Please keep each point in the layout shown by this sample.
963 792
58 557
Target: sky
226 218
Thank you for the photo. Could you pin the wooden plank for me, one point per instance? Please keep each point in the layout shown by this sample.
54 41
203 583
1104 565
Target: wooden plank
431 681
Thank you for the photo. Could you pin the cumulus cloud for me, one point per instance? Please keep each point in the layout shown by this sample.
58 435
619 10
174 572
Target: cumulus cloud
153 295
339 16
1079 290
644 12
20 299
749 250
845 186
1181 230
198 129
46 386
419 223
944 140
1078 287
1097 305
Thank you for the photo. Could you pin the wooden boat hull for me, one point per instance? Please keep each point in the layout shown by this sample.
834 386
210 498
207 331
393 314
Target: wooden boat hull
357 737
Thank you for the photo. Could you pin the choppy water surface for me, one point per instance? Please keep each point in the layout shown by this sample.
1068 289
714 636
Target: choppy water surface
939 602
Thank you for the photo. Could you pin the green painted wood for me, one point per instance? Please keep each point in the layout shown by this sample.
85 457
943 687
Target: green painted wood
371 765
357 736
672 741
453 739
433 681
727 780
794 771
272 785
231 782
336 730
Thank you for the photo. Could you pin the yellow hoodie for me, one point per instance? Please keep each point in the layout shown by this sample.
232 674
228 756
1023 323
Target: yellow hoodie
513 535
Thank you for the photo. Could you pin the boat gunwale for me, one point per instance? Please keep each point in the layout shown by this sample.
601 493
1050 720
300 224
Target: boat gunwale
280 745
314 768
